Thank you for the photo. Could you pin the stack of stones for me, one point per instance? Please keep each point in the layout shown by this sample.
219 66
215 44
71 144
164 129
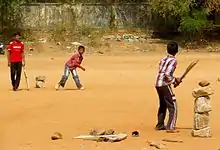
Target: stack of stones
202 109
40 81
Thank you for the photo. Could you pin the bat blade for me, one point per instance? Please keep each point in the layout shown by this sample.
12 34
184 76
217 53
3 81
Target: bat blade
26 78
191 65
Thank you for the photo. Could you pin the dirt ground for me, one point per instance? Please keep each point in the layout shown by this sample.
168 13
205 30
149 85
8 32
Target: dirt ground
119 94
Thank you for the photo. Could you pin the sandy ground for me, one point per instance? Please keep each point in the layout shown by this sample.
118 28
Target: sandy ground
119 94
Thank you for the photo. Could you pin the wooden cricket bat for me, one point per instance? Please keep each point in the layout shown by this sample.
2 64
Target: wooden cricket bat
191 65
26 78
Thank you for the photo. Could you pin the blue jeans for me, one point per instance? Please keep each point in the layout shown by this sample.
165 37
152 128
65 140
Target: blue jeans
66 74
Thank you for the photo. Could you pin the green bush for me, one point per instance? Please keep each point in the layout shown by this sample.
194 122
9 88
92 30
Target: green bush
177 15
194 23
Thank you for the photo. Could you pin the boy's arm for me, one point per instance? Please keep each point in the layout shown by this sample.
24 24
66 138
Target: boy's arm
8 54
8 58
23 55
170 70
79 66
23 59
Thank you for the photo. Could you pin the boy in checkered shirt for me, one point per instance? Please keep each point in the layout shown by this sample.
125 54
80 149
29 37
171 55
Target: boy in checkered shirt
165 79
70 67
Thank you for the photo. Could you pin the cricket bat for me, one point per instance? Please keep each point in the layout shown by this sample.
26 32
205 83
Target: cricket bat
191 65
26 78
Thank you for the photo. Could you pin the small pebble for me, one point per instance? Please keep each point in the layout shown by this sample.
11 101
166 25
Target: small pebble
56 136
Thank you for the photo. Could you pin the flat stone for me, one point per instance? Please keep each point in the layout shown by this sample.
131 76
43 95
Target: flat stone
56 136
203 133
204 83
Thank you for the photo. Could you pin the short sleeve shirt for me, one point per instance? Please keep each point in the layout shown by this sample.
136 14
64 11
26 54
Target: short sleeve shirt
75 60
15 50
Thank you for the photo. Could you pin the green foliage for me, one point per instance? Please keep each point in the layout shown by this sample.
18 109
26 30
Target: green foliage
169 8
195 23
10 12
178 15
167 13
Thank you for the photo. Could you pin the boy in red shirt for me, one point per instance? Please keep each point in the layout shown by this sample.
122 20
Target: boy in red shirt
70 67
16 59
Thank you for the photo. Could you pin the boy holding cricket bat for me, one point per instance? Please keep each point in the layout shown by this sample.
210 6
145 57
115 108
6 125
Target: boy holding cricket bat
164 81
16 59
70 67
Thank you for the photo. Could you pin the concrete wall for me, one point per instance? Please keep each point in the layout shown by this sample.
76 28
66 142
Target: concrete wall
46 16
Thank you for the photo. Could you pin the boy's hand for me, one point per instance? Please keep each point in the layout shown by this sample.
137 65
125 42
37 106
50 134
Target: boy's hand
23 64
177 82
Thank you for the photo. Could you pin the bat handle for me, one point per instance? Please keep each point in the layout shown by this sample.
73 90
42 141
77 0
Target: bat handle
175 85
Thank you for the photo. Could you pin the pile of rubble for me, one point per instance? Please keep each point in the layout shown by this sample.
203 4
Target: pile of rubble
125 38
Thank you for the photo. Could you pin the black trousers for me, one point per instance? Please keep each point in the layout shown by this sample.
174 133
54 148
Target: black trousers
167 101
16 68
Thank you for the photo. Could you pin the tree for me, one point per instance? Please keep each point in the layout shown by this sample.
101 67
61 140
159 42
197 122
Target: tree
170 8
213 4
187 16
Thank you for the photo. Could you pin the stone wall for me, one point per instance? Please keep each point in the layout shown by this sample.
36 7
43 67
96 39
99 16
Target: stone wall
44 16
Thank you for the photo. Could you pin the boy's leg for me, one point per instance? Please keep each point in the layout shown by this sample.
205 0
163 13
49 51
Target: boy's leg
18 74
172 107
162 110
64 77
12 71
76 78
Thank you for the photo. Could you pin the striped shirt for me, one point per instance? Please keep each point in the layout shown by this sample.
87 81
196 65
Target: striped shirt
166 69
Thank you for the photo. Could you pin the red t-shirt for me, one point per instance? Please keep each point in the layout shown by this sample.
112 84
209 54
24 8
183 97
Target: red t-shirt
15 50
75 60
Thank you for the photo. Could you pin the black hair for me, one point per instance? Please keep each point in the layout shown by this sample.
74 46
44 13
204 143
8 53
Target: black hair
172 48
81 47
17 33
